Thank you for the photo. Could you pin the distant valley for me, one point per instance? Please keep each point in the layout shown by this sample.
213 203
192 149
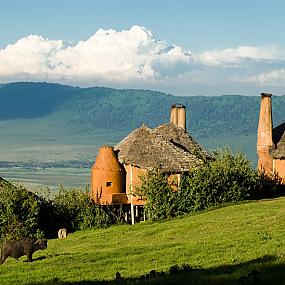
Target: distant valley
52 125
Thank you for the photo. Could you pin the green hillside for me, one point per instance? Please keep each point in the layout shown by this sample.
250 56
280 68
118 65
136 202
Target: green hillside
63 117
243 242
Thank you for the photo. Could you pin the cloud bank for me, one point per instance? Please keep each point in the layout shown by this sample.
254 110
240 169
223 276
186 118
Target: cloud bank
134 58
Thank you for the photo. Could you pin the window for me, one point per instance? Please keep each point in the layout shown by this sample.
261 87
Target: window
108 184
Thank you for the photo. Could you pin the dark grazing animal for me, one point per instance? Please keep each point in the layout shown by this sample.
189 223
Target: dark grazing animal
25 246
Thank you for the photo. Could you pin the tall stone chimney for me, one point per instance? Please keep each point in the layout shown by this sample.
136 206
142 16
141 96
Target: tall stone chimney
178 115
264 135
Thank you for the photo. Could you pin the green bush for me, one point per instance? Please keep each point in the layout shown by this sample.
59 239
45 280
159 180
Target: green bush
19 213
159 194
74 210
268 187
227 178
23 213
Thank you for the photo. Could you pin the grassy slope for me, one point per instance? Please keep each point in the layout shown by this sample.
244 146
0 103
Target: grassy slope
222 245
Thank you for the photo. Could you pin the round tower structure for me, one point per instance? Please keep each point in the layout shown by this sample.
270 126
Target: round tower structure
106 176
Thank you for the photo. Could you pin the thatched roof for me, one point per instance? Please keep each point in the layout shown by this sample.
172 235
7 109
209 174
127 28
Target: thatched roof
278 136
150 149
182 139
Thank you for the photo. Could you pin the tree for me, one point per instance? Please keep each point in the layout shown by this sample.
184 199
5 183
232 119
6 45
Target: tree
227 178
19 212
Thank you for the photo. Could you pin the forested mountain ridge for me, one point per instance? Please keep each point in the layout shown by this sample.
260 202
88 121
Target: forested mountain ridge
72 111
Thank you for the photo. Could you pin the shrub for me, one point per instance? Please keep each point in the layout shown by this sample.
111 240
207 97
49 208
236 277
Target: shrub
268 187
159 194
23 213
74 210
228 178
19 213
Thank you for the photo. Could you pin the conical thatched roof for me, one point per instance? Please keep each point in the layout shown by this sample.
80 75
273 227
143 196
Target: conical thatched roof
278 135
150 149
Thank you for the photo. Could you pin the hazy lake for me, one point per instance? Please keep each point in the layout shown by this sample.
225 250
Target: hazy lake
49 177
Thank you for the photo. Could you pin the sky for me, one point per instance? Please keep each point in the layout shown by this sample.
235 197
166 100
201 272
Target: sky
182 47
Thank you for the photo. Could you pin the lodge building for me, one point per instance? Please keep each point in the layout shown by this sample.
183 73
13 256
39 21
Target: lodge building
168 148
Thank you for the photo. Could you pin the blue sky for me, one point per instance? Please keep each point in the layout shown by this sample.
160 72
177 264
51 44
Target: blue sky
208 47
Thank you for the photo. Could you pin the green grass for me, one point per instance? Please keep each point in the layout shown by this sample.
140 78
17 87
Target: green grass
221 245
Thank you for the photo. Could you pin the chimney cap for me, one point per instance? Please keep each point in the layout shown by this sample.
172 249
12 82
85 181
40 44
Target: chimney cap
177 105
266 94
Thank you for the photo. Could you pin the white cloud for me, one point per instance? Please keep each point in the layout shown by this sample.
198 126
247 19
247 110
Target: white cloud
108 55
239 56
275 77
135 58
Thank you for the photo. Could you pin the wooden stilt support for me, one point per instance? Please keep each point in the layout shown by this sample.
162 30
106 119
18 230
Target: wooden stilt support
132 211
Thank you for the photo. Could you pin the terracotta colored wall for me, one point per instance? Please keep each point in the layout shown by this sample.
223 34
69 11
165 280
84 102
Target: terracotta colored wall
106 176
136 173
279 168
131 183
106 169
102 180
265 161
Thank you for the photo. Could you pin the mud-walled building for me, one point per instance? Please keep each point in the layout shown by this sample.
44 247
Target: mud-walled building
169 148
270 142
